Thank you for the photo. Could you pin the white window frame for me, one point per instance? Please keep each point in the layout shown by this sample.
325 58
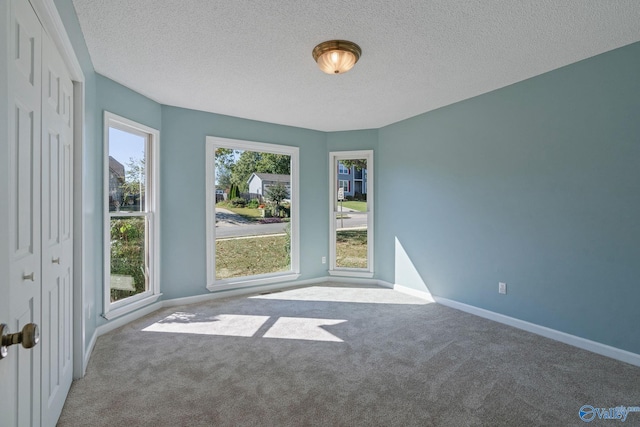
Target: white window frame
346 187
343 170
334 158
152 202
213 284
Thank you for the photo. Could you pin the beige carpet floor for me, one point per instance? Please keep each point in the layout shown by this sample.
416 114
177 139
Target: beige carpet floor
339 355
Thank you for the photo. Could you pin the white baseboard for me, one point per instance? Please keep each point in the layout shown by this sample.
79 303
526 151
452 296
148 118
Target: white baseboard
127 318
239 292
413 292
585 344
384 284
89 350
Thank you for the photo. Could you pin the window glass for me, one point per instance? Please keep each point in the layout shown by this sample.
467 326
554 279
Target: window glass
252 215
352 222
130 215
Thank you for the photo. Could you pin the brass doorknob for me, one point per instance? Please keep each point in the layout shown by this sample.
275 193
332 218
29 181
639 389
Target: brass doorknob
28 337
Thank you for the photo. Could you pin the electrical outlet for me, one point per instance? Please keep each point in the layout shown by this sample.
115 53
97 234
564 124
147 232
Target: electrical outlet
324 259
502 288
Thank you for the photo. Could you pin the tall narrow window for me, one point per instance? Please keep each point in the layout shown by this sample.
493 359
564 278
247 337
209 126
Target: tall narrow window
131 217
351 214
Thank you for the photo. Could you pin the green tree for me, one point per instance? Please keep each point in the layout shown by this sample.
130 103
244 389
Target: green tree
225 162
276 194
274 163
243 168
134 181
252 161
358 163
233 192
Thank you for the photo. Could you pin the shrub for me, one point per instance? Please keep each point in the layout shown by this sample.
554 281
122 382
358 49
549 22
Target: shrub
276 194
234 192
238 202
269 220
253 204
360 197
127 253
287 245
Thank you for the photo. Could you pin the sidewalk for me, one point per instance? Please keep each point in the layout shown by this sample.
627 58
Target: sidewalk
225 218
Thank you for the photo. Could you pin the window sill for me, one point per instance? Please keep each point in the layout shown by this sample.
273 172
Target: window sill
133 306
225 285
351 273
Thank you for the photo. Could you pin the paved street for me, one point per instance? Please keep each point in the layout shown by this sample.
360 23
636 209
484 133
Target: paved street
244 230
229 224
355 220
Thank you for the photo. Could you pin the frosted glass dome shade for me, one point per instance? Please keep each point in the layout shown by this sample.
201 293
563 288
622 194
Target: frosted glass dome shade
336 56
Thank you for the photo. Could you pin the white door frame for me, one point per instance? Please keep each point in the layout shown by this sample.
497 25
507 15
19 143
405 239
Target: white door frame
52 24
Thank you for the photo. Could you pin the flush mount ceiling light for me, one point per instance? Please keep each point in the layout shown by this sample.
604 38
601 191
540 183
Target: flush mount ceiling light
336 56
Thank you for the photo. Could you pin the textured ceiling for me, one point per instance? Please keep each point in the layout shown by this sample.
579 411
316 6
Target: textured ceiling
252 59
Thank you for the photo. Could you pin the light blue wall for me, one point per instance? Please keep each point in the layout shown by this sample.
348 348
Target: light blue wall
537 185
183 265
352 140
120 100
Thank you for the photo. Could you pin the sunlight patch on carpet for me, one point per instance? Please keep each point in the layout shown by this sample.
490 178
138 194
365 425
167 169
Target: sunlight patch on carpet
297 328
242 325
345 294
232 325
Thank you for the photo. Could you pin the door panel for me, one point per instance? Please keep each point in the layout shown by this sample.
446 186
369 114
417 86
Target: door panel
57 251
36 187
24 214
28 383
51 186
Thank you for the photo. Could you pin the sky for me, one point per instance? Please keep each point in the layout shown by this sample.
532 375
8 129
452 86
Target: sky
124 145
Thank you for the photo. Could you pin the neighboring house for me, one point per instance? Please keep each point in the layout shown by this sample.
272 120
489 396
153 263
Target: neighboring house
353 181
116 179
259 183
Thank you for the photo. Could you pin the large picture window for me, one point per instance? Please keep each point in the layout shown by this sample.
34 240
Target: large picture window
131 215
252 213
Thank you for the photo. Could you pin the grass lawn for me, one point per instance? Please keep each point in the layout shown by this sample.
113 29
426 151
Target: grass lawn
246 213
356 206
261 255
251 256
351 248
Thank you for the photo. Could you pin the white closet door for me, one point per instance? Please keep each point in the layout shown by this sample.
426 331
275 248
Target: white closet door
37 188
57 248
25 279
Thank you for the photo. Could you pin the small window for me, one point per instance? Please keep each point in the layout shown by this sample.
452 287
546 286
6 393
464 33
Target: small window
345 185
342 169
131 215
